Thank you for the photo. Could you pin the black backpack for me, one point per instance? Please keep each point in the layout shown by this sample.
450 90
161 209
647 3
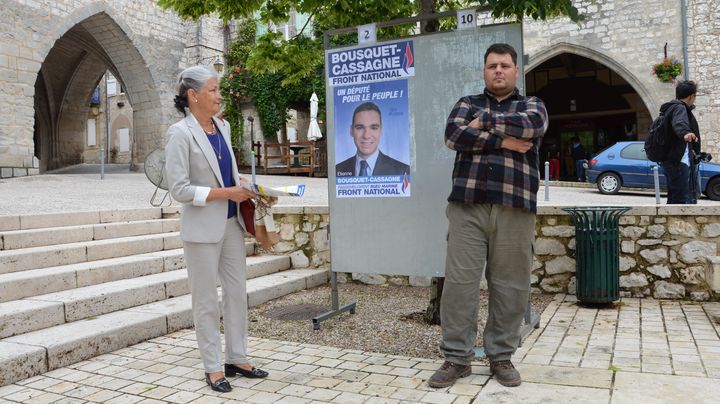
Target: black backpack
656 143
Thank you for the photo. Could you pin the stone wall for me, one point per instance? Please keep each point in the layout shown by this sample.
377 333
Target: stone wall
666 252
303 234
629 37
704 50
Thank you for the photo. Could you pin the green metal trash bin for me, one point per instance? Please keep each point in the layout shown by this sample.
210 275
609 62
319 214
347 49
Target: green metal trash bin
597 255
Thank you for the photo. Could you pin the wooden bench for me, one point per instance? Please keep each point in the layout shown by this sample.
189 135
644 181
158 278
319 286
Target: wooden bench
293 157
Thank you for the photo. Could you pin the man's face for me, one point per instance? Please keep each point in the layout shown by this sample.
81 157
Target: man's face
366 130
500 74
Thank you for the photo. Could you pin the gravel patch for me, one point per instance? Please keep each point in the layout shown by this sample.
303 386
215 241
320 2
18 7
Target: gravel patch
388 319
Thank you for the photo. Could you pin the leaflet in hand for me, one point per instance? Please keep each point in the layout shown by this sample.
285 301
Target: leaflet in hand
293 190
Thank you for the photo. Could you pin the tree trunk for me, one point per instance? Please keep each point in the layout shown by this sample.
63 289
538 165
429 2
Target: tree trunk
428 7
432 313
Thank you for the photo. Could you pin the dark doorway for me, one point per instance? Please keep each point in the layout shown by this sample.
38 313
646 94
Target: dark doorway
584 99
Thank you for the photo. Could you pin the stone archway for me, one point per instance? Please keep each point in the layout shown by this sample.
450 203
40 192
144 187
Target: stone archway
144 49
563 47
86 50
586 98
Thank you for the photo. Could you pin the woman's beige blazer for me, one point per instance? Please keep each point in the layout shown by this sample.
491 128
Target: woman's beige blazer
192 168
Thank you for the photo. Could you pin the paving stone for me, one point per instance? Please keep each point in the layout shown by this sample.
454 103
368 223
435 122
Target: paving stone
438 397
566 376
183 397
322 394
295 390
378 390
349 398
639 387
264 398
541 393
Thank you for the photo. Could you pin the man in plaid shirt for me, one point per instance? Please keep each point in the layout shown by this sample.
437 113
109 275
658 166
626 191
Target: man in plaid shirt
491 212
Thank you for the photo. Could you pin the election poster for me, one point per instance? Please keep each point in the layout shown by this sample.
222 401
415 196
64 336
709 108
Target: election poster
372 140
390 61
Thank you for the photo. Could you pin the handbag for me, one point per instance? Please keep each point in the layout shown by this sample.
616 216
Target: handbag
247 211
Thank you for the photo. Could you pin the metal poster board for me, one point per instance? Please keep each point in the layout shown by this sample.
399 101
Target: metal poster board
389 100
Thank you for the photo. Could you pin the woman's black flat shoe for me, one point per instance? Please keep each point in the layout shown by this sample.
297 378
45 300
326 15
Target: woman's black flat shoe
231 370
220 385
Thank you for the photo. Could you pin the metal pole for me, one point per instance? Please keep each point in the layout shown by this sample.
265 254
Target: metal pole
102 161
547 181
334 291
107 129
686 69
656 177
252 165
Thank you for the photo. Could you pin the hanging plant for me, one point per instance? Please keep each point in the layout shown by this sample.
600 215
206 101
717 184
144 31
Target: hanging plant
667 70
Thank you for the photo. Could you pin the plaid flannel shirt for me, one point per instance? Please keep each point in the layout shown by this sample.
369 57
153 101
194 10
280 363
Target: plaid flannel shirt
485 172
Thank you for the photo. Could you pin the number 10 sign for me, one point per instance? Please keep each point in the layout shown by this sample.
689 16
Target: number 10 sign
466 19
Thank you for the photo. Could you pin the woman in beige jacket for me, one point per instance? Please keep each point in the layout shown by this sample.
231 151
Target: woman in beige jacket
203 176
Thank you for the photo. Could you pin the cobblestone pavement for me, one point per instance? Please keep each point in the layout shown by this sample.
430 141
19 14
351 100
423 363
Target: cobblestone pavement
642 351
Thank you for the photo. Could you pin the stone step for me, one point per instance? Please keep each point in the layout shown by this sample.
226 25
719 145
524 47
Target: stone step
86 251
29 354
18 285
17 239
46 220
72 253
38 312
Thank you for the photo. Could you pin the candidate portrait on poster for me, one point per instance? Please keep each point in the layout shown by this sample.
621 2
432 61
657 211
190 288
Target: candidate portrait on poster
372 137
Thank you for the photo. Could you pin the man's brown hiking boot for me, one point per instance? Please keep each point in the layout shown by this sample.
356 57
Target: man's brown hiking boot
505 373
447 374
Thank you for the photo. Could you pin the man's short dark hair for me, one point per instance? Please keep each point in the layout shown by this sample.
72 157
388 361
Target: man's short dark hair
501 49
366 106
685 89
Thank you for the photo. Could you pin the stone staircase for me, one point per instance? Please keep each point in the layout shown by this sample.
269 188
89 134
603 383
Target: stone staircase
76 285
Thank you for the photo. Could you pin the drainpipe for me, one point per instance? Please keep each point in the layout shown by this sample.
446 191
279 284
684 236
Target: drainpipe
683 7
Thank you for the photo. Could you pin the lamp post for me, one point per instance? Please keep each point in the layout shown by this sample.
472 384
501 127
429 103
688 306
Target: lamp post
252 138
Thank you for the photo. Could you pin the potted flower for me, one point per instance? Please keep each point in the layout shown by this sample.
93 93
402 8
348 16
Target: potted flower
667 70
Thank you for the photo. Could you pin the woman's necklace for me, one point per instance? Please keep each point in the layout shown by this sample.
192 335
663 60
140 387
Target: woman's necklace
217 151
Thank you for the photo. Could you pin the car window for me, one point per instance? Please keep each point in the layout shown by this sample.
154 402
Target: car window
635 151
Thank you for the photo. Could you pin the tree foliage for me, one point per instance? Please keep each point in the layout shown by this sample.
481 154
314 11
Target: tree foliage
298 61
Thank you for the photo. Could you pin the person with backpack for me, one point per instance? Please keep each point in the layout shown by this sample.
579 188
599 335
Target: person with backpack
681 133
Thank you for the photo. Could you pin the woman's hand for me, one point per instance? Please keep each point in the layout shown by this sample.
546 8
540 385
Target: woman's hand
239 193
236 194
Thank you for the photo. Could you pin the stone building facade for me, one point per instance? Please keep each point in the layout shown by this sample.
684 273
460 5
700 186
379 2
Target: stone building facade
54 53
596 74
628 38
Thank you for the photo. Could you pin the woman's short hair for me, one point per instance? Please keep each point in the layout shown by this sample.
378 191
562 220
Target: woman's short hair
193 77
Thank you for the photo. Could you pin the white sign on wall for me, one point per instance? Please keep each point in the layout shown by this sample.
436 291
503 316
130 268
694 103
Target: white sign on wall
91 132
123 135
367 33
467 19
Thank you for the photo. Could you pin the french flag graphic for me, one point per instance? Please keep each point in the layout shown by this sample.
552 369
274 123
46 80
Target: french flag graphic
408 59
406 183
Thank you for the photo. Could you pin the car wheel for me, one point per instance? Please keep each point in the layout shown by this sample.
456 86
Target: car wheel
608 183
712 190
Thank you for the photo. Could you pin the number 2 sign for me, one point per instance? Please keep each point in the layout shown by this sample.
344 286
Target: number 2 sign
366 33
